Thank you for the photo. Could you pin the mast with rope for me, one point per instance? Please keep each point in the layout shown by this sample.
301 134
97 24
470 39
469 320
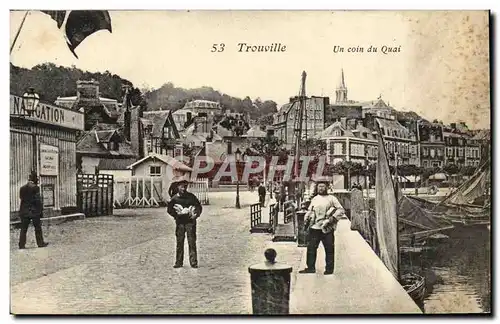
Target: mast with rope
299 117
19 31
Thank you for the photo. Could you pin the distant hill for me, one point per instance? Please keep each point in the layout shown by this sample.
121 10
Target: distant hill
51 81
173 98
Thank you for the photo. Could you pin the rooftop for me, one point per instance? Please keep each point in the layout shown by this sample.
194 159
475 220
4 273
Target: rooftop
202 104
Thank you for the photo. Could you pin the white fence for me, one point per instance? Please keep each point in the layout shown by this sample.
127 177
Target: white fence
200 189
138 191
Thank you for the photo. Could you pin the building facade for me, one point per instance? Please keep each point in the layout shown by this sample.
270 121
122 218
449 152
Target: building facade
313 121
102 146
461 149
159 134
350 141
431 145
44 142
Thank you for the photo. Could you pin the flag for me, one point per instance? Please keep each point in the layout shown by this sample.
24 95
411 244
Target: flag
83 23
80 24
57 15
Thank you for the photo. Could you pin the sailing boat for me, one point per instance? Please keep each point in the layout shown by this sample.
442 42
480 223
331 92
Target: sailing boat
386 209
461 207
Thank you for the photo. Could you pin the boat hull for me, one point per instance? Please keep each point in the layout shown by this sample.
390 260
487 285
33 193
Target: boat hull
414 285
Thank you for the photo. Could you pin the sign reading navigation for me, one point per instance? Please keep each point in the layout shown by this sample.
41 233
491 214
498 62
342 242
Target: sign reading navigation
48 114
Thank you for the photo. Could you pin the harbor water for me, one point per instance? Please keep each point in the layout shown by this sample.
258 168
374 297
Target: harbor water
457 272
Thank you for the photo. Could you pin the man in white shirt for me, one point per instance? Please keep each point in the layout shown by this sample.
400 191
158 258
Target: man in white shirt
324 212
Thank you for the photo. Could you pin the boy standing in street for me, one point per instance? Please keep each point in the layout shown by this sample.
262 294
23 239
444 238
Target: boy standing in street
185 208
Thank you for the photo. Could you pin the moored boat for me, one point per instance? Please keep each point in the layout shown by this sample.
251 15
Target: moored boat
387 212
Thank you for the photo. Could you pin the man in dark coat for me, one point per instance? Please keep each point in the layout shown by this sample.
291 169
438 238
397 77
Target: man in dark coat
262 194
185 208
31 210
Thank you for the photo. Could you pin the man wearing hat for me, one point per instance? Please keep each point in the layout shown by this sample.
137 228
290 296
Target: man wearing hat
324 212
31 210
185 208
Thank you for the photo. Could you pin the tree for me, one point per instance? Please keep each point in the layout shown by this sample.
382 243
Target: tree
467 170
266 120
451 169
268 146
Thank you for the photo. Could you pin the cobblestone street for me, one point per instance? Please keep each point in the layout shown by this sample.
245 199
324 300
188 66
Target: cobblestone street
122 264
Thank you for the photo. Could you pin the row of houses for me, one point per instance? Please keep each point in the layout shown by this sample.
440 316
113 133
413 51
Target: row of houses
89 134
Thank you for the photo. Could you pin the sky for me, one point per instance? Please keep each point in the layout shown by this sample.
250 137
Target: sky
441 70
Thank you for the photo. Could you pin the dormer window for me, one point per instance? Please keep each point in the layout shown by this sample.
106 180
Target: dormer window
114 146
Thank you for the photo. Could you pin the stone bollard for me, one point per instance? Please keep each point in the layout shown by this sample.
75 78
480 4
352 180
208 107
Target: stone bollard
302 231
270 283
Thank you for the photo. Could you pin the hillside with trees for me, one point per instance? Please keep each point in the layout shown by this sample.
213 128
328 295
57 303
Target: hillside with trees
51 81
171 97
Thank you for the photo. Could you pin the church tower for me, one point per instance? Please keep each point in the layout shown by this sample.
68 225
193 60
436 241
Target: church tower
341 91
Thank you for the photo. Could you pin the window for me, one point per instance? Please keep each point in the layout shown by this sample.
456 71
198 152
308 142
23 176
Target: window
425 151
155 171
433 153
449 151
229 148
357 149
426 163
439 152
337 149
177 152
114 146
337 132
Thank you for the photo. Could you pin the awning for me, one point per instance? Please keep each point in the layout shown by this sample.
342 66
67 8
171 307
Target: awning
409 179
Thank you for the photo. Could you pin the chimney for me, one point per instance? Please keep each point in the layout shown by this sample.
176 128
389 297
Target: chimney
126 106
135 136
343 122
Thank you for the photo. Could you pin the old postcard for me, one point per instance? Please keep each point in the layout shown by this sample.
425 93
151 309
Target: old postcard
316 162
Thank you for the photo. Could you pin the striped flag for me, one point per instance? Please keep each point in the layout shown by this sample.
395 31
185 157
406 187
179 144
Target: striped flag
80 24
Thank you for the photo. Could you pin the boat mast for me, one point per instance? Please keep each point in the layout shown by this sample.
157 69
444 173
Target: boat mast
298 125
396 193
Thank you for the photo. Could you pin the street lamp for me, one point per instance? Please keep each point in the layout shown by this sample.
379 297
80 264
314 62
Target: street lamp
237 155
30 101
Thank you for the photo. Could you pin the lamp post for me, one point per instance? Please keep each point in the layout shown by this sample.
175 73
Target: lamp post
30 101
237 155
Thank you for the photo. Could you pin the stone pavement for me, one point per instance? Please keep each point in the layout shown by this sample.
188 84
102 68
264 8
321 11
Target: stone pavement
123 264
361 283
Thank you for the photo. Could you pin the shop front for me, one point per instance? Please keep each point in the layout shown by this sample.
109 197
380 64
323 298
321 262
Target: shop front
43 139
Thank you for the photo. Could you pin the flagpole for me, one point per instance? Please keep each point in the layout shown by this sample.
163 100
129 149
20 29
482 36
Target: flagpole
18 31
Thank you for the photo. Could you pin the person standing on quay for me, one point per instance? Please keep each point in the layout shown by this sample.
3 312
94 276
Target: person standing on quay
31 210
185 208
262 194
324 213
